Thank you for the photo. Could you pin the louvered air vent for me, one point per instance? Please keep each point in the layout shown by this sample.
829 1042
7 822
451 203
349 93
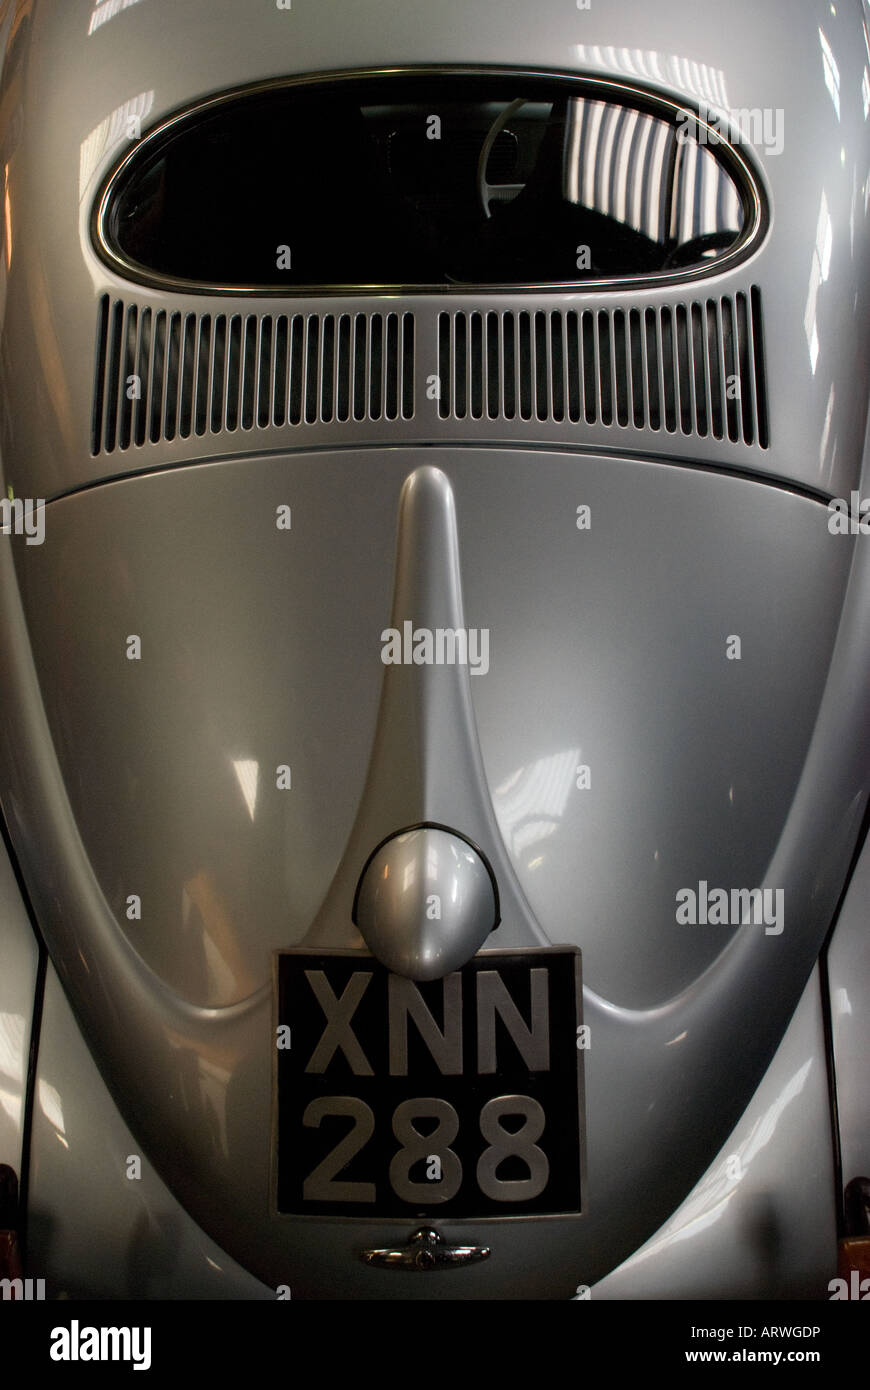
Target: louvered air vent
696 368
162 374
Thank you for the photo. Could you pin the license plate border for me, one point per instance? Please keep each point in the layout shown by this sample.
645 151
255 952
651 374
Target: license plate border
446 1221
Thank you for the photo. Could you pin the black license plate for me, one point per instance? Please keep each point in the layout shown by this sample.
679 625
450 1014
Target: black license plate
459 1097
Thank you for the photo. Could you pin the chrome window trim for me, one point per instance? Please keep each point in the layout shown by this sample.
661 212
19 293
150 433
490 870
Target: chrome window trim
748 182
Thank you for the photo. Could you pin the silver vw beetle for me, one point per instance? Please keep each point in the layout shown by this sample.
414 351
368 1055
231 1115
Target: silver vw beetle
434 649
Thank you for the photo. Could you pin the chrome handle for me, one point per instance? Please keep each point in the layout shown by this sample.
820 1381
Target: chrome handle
426 1250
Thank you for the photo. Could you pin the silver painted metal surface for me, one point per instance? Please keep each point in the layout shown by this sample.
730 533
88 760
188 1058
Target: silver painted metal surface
95 1229
425 903
65 131
18 964
742 796
761 1223
610 757
426 1251
172 762
426 731
849 983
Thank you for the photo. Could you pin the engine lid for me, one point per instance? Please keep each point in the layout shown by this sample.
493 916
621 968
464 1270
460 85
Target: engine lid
614 749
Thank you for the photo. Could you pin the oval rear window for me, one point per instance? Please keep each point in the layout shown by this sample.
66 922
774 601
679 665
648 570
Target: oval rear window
427 181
